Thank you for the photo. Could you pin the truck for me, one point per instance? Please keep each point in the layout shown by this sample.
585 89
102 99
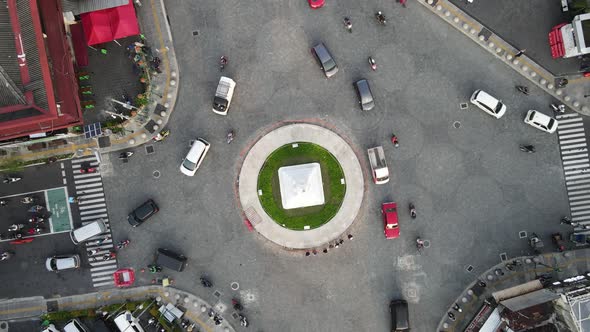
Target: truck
223 95
379 168
568 40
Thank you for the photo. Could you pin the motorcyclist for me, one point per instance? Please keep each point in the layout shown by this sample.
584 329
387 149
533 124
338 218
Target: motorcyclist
348 24
380 17
412 211
372 63
395 140
5 255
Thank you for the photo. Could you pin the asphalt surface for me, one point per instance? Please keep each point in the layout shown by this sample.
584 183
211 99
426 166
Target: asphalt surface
525 25
473 189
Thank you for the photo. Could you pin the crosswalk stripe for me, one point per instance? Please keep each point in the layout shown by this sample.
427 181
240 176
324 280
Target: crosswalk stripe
574 151
574 140
577 193
577 198
577 119
92 206
101 284
580 134
576 161
583 156
576 171
572 125
569 131
567 115
577 166
573 146
576 177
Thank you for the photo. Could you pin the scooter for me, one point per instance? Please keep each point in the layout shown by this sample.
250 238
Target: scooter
230 136
27 200
223 62
125 155
243 320
237 305
395 140
527 148
6 255
162 135
15 227
11 179
558 108
523 89
372 63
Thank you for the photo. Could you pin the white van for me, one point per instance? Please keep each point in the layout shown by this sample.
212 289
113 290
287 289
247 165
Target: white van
195 157
75 326
87 231
127 323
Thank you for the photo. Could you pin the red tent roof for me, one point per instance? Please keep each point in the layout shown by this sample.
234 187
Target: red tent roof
105 25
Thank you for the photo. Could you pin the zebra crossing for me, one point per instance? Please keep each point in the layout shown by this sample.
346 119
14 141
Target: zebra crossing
92 206
576 167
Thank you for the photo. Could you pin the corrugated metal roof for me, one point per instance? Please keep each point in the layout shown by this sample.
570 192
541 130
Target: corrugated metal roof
85 6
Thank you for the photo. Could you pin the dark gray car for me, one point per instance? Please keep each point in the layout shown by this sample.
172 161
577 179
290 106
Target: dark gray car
325 59
400 317
142 213
363 91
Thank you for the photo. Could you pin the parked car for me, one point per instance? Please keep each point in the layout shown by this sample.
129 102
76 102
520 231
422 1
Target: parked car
194 158
62 262
541 121
50 328
488 104
75 326
315 4
400 317
325 59
390 221
365 96
142 213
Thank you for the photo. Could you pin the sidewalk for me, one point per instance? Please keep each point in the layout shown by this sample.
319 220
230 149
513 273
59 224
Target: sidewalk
559 265
196 308
142 127
573 95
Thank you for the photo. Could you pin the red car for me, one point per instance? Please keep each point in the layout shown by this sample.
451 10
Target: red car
390 224
315 4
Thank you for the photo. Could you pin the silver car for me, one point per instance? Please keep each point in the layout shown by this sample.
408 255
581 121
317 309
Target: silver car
63 262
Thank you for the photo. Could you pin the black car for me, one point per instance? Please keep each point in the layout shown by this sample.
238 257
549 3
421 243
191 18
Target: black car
400 317
142 213
325 59
363 91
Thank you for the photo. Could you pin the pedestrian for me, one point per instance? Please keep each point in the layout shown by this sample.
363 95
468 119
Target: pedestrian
315 252
350 237
342 241
520 53
325 250
332 246
336 245
307 253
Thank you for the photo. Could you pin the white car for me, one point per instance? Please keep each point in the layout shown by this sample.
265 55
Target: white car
488 104
194 157
541 121
64 262
50 328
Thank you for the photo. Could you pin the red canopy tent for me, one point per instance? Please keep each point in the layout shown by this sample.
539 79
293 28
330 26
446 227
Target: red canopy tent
109 24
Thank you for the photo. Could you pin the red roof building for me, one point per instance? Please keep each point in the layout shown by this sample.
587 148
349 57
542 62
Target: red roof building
38 83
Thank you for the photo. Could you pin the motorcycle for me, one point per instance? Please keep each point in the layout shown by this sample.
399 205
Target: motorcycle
527 148
6 255
154 268
237 305
15 227
27 200
380 18
348 24
206 283
162 135
523 89
558 108
230 136
457 308
123 244
372 63
108 256
36 208
88 170
412 210
243 320
125 155
11 179
223 62
395 140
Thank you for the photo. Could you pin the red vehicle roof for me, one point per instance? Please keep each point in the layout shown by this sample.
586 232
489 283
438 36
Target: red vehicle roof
315 4
124 277
390 220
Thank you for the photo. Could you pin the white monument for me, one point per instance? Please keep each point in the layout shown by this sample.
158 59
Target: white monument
301 186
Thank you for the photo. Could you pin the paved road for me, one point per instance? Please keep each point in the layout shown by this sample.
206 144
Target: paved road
473 188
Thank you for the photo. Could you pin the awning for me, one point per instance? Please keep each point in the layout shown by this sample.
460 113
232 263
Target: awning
109 24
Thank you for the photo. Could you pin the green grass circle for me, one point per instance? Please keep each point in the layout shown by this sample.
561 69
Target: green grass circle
303 153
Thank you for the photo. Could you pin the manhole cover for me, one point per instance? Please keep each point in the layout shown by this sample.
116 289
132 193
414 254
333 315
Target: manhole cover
503 257
463 106
426 244
457 124
156 174
235 315
196 33
52 306
217 293
235 286
469 268
149 149
522 234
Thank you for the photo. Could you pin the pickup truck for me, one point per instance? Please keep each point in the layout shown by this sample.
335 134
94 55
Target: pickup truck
223 95
379 168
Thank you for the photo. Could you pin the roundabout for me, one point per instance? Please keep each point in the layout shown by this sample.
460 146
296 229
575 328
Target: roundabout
325 222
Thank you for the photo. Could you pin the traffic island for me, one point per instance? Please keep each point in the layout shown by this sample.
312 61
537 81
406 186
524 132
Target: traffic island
319 195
